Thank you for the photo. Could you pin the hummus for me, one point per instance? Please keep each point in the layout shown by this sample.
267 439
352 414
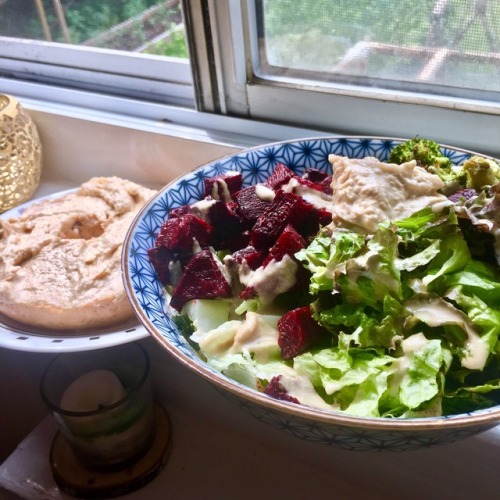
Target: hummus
60 261
367 191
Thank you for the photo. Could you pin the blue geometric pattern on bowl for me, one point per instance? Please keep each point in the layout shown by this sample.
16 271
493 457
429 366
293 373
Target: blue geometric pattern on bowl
353 439
146 294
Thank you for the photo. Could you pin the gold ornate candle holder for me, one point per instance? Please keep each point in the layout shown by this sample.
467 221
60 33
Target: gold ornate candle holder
20 154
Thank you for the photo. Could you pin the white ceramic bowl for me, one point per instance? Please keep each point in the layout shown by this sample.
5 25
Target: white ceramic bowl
146 295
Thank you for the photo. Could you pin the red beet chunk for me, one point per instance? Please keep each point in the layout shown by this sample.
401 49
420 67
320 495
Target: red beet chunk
223 186
281 175
324 216
286 208
289 242
202 279
297 332
320 178
226 224
242 241
250 206
315 175
315 219
160 258
179 233
326 185
276 390
178 212
309 183
300 290
248 293
253 257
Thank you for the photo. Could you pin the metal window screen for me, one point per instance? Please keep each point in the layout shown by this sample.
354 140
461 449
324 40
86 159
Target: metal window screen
443 46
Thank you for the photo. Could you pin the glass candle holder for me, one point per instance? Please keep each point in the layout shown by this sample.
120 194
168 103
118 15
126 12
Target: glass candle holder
102 402
20 154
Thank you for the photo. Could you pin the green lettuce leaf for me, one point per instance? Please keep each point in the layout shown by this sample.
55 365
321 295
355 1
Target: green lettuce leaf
325 254
421 382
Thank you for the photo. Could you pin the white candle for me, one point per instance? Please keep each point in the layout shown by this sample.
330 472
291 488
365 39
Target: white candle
93 390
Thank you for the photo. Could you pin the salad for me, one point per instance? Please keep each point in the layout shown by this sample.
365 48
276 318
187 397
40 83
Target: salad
372 290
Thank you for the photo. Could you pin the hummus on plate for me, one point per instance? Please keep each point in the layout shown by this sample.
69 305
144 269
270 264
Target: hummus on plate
60 261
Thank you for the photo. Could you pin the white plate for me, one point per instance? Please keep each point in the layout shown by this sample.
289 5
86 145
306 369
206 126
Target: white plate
22 337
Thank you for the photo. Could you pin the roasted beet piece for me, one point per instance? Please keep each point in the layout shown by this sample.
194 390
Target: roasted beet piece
177 212
160 258
324 216
223 186
281 175
276 390
179 233
289 242
286 208
297 332
250 206
248 293
308 183
313 220
318 180
202 279
240 242
237 242
226 223
326 185
253 257
315 175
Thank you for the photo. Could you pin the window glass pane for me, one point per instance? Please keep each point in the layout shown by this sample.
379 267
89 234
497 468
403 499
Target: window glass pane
127 48
139 26
449 47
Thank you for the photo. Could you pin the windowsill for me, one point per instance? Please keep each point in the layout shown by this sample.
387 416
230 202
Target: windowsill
85 134
151 117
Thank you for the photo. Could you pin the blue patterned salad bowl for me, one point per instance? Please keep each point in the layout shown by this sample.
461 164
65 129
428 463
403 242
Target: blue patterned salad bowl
327 427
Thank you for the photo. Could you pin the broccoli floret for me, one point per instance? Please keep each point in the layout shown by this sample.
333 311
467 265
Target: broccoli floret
428 155
426 152
482 173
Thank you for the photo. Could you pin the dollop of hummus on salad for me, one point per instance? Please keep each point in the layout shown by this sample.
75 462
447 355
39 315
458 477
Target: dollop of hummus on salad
367 191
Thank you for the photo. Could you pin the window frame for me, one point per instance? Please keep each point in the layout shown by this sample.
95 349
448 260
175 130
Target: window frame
147 77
